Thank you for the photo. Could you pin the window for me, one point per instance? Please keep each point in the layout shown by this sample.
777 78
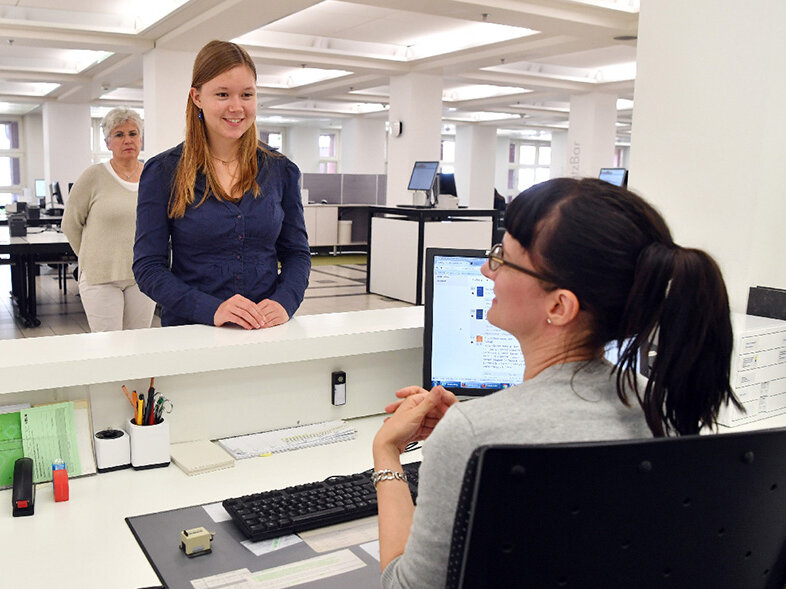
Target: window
272 137
328 152
11 159
98 148
447 154
529 162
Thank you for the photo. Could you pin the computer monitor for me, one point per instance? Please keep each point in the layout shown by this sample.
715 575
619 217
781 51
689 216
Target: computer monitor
57 196
616 176
447 184
462 351
423 174
40 188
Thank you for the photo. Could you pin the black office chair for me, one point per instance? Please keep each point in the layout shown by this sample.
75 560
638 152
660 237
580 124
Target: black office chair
689 512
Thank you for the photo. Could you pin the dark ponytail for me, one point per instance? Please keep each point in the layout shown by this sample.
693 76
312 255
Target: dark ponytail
679 298
615 252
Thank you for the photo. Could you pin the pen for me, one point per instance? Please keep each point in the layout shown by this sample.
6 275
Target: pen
152 411
139 405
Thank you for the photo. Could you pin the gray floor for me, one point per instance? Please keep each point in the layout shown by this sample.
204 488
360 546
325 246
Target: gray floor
332 289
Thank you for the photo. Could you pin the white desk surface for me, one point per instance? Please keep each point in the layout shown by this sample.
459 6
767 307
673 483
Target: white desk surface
85 542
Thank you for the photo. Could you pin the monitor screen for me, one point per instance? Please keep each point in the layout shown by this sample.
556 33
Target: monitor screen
616 176
462 351
447 184
423 174
40 188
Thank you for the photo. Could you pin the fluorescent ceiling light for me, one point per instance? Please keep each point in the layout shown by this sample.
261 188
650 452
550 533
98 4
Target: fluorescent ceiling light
295 77
480 116
149 12
74 61
621 5
17 108
475 91
461 37
27 88
130 94
616 72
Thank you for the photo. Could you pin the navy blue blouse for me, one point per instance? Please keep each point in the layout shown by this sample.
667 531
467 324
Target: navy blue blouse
221 248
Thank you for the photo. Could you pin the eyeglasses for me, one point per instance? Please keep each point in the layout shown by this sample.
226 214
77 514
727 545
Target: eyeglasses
496 260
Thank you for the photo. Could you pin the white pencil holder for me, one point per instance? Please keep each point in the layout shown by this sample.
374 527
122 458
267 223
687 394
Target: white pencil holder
149 445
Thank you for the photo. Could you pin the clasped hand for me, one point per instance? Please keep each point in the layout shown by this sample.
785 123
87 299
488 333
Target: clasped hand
250 315
413 417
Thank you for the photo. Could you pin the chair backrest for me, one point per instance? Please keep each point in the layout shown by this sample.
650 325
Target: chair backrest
686 512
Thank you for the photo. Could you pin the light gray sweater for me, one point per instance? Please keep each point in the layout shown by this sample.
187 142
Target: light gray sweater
99 222
555 406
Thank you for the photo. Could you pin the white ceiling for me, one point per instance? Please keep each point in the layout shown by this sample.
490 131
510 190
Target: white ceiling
512 64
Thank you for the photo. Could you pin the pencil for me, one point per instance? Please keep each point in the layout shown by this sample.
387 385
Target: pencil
128 396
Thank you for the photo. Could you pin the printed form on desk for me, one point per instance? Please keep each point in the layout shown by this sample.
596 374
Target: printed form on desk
292 438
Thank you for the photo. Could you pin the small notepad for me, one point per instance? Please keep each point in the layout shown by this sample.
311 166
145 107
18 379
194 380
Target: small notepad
200 456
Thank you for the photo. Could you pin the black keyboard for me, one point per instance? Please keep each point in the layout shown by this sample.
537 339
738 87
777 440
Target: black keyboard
304 507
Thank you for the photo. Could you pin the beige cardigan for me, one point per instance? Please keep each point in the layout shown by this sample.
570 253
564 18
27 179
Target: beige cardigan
99 222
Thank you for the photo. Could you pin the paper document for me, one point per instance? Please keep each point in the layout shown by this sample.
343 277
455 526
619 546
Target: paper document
293 438
48 434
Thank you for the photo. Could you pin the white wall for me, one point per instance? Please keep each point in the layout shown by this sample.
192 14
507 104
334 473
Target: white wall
475 154
708 129
33 129
167 81
416 101
66 142
363 146
559 153
302 144
501 165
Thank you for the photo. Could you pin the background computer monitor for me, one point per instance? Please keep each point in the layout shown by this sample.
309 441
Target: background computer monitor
57 196
616 176
40 188
447 184
423 174
462 351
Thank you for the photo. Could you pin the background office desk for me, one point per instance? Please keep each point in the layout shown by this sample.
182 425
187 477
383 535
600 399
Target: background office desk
86 543
24 255
399 236
43 219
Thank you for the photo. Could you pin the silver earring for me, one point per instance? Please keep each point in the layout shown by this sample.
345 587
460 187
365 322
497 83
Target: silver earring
548 320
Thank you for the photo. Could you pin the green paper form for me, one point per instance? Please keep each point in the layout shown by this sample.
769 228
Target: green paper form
48 434
10 446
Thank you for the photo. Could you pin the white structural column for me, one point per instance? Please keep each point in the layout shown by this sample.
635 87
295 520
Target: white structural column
475 157
66 129
302 147
708 129
363 146
167 80
591 134
415 101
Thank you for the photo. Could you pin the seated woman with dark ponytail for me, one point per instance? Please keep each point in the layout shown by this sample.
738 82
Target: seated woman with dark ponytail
583 263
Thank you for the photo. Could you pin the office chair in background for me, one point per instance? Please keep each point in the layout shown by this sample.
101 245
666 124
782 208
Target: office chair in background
687 512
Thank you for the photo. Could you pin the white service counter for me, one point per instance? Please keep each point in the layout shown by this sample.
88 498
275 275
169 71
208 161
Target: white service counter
225 381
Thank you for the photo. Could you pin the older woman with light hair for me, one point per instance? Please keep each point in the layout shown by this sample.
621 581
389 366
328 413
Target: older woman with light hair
99 221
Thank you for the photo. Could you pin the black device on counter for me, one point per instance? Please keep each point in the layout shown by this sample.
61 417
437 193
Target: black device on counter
17 225
23 495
